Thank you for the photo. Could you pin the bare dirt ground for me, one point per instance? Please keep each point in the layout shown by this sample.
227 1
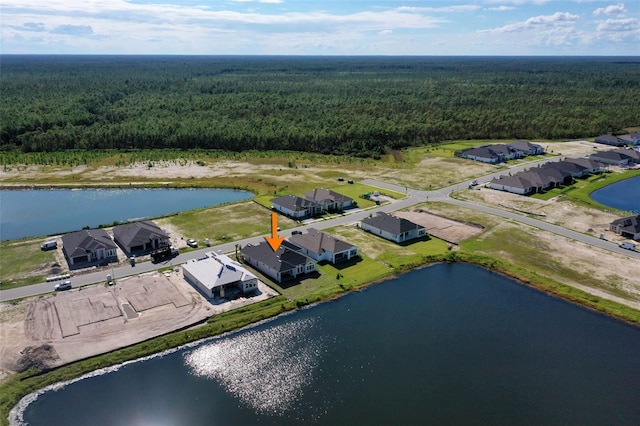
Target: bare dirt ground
449 230
64 327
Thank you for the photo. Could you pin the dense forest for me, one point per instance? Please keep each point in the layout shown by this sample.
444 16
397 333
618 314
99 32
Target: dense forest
342 105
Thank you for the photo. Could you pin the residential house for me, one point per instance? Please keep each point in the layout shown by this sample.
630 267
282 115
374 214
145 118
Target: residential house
296 207
526 147
610 140
631 138
514 184
321 246
567 170
217 274
87 246
634 156
589 166
628 227
286 263
140 237
329 200
392 228
610 157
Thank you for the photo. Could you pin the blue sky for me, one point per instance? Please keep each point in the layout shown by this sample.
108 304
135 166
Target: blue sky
313 27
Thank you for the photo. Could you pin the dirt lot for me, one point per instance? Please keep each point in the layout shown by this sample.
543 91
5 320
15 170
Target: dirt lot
441 227
65 327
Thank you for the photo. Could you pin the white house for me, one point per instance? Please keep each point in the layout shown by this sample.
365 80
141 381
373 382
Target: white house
328 200
88 246
286 263
216 274
392 228
295 207
321 246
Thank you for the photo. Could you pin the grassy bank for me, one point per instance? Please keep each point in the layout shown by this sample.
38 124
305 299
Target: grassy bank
24 383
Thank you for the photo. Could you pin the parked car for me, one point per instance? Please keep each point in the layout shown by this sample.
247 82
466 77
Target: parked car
296 232
66 285
192 243
49 245
627 245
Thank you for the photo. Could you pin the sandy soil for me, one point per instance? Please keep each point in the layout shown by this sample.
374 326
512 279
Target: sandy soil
441 227
64 327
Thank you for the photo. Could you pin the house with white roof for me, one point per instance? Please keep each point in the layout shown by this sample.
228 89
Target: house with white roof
216 274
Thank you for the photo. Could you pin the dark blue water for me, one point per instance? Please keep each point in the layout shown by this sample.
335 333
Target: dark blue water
449 344
623 195
26 213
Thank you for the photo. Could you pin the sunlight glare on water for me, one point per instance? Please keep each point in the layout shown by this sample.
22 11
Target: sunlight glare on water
267 369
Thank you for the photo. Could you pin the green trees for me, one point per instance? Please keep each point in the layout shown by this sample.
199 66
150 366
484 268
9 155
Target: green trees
357 106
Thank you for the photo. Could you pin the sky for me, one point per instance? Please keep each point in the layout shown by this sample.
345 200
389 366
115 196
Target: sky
314 27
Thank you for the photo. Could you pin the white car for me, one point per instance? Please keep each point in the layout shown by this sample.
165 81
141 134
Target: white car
192 243
63 286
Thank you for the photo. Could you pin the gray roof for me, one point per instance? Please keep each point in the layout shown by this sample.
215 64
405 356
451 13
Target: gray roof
630 153
566 166
321 194
629 224
320 242
138 233
80 243
525 146
293 202
287 256
391 224
610 140
583 162
515 181
609 155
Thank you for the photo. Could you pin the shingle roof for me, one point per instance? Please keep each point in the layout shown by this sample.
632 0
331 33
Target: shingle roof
138 233
583 162
609 155
293 202
523 146
391 224
80 243
319 242
513 181
628 224
287 256
321 194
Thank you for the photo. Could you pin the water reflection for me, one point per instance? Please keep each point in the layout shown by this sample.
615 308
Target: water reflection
266 369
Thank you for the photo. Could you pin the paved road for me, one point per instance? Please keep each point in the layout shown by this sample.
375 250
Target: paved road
414 196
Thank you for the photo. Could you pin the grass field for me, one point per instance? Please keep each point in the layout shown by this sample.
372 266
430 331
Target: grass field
23 263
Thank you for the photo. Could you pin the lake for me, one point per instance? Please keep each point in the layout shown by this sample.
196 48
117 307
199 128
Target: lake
448 344
623 195
27 213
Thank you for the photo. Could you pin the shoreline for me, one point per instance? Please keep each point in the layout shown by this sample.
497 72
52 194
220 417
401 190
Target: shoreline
28 382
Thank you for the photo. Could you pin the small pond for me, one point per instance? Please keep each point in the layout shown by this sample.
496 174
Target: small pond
622 195
27 213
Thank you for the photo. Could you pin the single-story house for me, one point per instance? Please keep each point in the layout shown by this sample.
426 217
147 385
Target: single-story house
490 153
610 140
283 264
610 157
329 200
88 245
628 227
215 274
140 237
321 246
392 228
631 138
573 169
526 147
589 166
514 184
295 207
633 155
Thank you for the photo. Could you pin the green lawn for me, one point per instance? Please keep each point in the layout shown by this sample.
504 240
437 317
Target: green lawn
19 260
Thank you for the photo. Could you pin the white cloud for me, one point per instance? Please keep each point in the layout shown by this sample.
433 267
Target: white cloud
619 25
614 8
501 8
536 22
443 9
385 32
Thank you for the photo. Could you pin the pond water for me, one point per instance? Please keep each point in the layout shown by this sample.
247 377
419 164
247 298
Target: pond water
448 344
623 195
27 213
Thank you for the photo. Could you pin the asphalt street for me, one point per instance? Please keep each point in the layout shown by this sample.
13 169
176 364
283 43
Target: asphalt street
352 216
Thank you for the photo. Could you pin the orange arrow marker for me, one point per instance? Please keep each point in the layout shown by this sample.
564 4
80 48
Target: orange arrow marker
274 241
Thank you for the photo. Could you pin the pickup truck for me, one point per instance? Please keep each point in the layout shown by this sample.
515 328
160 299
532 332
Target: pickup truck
164 253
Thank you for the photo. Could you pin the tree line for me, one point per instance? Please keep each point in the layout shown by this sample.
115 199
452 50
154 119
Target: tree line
360 106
